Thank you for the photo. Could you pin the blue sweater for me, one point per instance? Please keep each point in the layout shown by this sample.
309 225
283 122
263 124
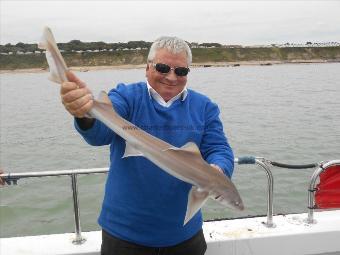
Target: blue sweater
142 203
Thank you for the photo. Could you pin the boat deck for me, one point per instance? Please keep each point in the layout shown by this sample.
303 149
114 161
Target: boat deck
248 236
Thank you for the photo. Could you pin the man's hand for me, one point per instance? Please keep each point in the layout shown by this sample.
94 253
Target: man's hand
217 167
75 96
2 181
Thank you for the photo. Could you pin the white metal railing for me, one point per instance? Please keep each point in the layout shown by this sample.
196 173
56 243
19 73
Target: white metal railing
12 178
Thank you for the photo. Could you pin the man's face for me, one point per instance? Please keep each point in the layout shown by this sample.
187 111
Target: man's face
167 85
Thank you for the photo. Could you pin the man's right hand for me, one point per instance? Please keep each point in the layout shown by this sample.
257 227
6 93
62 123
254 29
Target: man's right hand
76 96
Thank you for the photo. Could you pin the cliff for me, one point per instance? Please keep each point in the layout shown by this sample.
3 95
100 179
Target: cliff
200 55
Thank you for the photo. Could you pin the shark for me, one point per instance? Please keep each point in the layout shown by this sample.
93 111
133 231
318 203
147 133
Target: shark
185 163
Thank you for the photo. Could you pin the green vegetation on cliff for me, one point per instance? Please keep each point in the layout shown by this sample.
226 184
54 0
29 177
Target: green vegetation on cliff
200 55
265 54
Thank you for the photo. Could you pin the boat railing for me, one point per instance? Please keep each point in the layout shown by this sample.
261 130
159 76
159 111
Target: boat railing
12 178
263 163
312 187
319 168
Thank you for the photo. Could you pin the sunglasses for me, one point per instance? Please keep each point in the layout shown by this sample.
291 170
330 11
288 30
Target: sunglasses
164 69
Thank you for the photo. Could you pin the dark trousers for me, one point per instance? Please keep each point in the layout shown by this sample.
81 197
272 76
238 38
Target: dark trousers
115 246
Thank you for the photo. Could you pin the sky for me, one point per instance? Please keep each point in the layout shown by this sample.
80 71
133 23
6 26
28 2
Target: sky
227 22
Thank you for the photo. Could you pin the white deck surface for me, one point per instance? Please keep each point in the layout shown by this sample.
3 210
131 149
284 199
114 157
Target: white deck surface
249 236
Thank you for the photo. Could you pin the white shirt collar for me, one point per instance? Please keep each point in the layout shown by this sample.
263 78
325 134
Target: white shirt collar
154 94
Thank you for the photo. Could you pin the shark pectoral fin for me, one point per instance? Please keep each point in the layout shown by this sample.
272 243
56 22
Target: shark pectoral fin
189 147
196 199
131 151
104 98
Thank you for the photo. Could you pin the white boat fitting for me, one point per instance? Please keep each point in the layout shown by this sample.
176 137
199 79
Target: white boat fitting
312 233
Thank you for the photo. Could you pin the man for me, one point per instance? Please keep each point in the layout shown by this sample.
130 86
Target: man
144 207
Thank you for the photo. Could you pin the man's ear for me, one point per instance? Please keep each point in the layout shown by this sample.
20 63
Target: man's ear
147 70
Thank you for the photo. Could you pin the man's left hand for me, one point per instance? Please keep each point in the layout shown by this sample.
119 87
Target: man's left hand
217 167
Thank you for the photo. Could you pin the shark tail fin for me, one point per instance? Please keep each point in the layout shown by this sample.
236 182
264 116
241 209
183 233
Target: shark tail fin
56 63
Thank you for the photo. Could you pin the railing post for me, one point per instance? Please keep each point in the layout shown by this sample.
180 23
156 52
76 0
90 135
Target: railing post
270 193
78 238
262 163
312 188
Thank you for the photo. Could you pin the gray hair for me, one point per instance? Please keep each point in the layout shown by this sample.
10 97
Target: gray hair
171 43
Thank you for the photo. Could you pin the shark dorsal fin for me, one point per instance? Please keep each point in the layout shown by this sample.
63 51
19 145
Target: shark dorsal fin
192 147
189 147
104 98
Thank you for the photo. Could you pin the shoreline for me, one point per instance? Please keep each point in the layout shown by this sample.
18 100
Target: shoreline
193 65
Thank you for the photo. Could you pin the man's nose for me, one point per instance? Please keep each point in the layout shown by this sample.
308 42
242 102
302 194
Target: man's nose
171 76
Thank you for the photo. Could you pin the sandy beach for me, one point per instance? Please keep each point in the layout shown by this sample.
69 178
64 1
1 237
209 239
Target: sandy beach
193 65
73 68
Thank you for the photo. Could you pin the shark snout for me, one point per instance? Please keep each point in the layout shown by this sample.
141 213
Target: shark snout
238 204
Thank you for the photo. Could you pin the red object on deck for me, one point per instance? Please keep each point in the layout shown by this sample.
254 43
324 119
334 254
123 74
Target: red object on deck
327 195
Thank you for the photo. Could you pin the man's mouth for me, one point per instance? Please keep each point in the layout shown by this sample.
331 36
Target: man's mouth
168 85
